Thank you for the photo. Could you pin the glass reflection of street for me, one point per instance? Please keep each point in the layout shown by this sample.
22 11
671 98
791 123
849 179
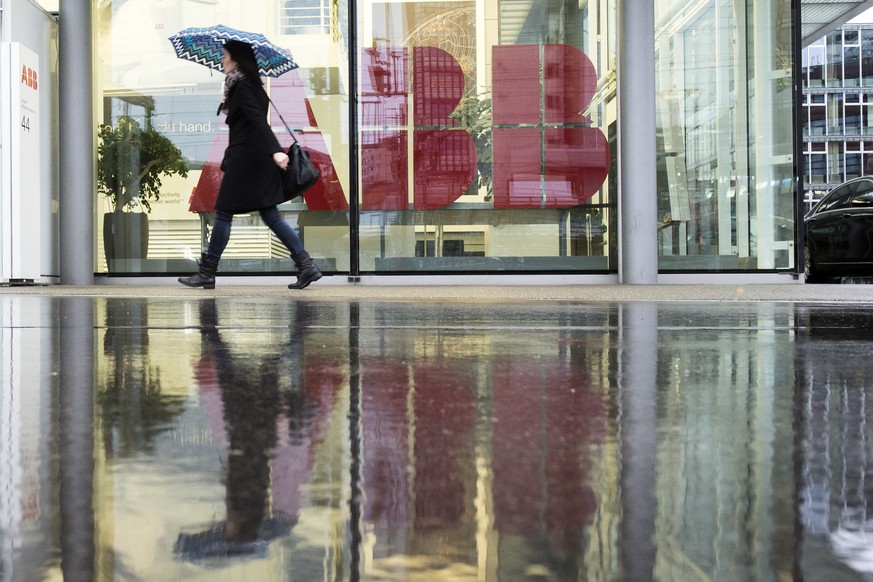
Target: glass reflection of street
266 439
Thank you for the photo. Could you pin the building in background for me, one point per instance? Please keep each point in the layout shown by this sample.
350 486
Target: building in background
837 111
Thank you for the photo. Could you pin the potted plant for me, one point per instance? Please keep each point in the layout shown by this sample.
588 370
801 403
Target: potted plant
473 113
130 163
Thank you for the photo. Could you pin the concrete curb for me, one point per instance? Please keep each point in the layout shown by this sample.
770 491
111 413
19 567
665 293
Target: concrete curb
856 294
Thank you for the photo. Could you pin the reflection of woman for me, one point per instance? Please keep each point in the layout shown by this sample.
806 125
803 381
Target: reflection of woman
250 412
251 181
269 410
250 404
250 397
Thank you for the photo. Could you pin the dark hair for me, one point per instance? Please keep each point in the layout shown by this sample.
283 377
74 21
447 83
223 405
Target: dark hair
244 56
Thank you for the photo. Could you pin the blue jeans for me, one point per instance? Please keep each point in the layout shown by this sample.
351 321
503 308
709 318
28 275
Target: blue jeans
270 216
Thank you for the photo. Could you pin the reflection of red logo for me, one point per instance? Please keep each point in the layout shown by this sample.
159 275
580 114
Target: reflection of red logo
29 77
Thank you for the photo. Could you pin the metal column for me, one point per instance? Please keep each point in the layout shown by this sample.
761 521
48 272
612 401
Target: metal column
638 203
76 212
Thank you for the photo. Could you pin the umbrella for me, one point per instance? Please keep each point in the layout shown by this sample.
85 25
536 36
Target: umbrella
206 45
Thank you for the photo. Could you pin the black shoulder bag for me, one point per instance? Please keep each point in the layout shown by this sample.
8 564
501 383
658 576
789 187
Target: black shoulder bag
301 174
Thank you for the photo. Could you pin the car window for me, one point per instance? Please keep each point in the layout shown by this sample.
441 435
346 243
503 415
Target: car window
862 195
839 198
862 200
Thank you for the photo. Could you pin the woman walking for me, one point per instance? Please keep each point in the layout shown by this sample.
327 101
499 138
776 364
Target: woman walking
251 179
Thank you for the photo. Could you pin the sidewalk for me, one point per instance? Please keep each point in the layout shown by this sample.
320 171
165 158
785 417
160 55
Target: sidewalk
796 293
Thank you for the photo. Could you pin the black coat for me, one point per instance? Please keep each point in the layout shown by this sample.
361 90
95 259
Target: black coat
252 180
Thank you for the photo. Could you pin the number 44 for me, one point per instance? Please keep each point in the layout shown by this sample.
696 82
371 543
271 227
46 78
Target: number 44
25 123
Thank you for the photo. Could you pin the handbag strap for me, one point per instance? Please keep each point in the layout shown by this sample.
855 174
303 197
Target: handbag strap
283 119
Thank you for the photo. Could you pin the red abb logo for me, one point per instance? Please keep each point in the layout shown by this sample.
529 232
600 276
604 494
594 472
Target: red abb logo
544 155
443 158
29 77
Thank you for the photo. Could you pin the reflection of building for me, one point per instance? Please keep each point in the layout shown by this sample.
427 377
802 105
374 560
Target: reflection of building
560 442
835 405
26 396
727 471
498 120
502 462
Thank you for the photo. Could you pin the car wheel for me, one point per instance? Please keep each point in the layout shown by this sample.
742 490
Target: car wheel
810 273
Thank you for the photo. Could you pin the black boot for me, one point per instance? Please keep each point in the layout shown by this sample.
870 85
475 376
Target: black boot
204 278
307 271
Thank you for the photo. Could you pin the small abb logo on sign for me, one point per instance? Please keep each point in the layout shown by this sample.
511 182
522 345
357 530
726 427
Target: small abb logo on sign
29 78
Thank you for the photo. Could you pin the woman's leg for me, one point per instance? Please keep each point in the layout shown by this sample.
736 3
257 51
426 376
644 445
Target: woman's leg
219 237
307 270
282 229
205 277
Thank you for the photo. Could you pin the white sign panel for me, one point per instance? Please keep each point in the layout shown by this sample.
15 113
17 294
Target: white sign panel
21 192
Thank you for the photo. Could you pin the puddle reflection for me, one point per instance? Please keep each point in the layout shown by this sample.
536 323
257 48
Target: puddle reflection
242 399
232 439
75 411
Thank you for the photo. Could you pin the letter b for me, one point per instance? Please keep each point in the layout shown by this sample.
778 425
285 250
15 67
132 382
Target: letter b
542 158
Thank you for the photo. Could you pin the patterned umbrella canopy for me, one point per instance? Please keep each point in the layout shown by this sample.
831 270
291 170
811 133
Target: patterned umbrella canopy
205 46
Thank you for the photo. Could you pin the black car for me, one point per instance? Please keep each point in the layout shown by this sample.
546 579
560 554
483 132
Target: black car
839 233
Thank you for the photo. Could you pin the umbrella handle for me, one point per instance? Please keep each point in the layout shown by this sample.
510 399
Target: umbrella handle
283 120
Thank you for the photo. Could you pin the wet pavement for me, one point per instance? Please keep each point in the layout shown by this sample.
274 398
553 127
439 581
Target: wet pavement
241 437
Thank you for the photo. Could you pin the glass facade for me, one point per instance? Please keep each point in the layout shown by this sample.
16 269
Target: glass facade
725 135
484 137
156 109
486 134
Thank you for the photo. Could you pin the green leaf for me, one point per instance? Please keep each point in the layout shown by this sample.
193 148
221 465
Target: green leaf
131 161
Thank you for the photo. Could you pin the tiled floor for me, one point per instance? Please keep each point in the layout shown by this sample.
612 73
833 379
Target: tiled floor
238 437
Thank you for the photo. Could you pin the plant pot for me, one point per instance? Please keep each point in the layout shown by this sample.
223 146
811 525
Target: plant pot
125 237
